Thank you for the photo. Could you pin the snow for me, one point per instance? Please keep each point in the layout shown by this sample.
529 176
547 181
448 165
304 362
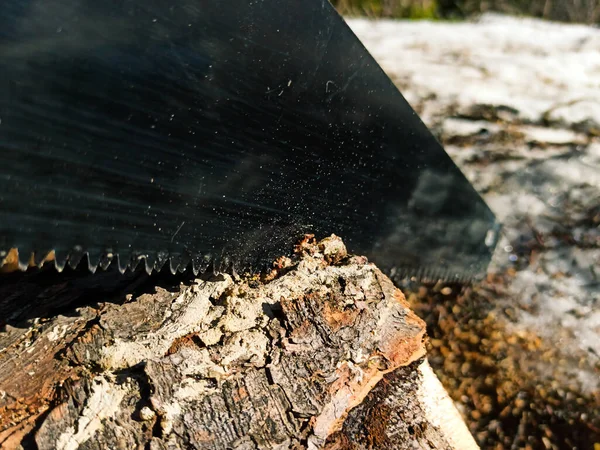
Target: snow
517 104
461 127
552 136
532 66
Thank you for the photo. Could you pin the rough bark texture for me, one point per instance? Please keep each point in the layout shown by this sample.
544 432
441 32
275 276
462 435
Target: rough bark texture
323 352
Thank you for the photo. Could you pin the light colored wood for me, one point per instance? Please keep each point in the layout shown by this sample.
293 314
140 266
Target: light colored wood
441 411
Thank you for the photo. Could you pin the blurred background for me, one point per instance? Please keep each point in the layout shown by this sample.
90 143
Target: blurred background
511 88
584 11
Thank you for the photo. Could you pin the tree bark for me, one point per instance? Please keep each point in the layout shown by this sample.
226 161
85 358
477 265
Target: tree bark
323 352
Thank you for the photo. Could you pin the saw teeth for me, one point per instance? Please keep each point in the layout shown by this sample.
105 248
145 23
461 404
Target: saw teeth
234 272
41 257
94 257
3 255
161 259
135 261
185 262
195 264
75 257
122 263
174 263
200 263
15 259
404 275
60 260
23 260
149 263
105 259
225 264
179 262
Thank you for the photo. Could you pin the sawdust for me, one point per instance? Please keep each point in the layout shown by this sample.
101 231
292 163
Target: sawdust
514 389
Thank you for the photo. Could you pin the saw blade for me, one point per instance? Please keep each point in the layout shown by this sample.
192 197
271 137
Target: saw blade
194 132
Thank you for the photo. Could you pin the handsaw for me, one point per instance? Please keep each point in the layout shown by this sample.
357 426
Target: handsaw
212 134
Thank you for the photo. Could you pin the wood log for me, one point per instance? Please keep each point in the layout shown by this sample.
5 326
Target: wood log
321 353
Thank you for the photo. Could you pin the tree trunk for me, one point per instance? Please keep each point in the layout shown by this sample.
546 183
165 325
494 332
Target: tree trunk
323 352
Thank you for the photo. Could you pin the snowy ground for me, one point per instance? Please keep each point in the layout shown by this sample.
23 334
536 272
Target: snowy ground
516 103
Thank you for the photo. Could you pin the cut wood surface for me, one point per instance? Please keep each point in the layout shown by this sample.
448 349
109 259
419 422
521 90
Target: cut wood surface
323 352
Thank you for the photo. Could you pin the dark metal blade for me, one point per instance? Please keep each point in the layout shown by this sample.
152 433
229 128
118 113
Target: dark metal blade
218 133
